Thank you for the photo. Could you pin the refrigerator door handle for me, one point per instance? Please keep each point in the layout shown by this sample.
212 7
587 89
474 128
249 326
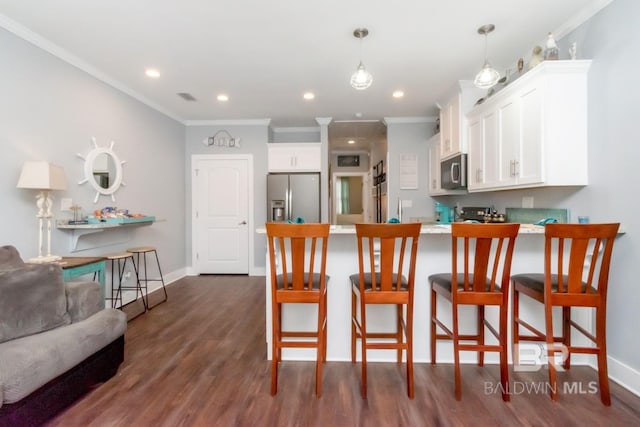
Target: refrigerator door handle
289 204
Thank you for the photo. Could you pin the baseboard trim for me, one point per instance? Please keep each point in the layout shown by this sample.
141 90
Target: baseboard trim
624 375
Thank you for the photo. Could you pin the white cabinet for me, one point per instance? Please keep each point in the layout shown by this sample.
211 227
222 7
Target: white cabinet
452 118
533 133
434 165
294 157
450 142
482 161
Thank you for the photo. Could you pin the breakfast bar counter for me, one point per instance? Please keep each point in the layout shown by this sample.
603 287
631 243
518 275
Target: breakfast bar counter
434 256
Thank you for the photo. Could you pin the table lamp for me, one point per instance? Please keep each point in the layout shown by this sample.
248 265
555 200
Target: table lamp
43 176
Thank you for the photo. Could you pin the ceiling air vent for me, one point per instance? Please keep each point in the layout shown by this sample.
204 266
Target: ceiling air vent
186 96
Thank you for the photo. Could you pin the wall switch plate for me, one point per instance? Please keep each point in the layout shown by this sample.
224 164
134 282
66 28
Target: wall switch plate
527 202
65 204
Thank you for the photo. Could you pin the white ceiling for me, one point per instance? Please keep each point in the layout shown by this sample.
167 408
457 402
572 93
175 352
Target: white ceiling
266 54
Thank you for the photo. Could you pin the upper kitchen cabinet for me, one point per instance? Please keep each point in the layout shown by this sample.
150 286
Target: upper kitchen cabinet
294 157
532 133
434 165
453 108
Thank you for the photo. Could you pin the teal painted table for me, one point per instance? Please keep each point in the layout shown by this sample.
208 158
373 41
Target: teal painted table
79 266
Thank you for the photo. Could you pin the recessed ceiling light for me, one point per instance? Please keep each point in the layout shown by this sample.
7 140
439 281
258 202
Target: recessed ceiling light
222 97
308 95
351 141
152 72
398 94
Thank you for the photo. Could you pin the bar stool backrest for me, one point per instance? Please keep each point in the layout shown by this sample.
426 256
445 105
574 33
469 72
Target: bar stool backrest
389 251
297 255
483 264
577 257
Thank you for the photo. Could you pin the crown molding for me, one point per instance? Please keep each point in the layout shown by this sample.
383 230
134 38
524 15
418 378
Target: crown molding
580 18
405 120
230 122
308 129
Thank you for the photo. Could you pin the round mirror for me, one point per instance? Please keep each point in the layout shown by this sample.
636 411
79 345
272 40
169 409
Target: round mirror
103 171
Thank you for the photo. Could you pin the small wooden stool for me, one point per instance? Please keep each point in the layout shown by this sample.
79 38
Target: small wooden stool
137 265
121 259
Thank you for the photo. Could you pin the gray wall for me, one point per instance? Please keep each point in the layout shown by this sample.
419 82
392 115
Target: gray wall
408 138
49 110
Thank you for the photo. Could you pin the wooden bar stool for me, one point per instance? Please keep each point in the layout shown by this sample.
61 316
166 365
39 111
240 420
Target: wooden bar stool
144 280
297 259
479 277
119 264
386 264
576 274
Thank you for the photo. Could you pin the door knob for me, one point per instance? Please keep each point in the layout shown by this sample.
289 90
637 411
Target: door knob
242 223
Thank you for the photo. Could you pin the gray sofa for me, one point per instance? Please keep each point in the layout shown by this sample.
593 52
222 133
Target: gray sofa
56 340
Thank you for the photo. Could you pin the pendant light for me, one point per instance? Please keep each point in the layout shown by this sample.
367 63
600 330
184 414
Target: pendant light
361 79
488 76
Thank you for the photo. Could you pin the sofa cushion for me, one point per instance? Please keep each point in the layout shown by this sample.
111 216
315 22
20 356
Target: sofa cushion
33 300
28 363
84 299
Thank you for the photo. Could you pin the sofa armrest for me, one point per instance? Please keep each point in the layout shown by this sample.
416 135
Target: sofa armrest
84 299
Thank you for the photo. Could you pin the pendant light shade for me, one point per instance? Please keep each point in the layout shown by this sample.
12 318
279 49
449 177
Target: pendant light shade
361 79
488 76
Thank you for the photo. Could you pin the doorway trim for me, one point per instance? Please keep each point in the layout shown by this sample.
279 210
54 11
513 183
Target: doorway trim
366 195
250 220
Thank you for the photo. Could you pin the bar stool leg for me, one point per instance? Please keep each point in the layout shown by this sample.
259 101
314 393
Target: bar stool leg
139 265
164 289
136 268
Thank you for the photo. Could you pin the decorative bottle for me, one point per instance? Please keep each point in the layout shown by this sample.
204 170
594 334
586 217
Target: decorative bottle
551 50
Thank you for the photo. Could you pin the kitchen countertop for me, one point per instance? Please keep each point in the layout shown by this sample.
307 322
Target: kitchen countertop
426 229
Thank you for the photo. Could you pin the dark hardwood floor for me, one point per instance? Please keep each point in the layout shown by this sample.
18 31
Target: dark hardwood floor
200 360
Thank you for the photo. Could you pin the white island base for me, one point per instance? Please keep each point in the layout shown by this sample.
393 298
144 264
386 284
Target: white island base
434 256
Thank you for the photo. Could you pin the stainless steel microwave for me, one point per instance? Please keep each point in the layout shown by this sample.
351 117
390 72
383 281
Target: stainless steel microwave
453 173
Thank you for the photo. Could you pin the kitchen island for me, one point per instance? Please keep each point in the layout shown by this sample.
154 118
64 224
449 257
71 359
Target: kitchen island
434 256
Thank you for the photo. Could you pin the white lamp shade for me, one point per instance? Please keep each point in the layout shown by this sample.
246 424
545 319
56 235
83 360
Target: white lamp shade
487 77
42 175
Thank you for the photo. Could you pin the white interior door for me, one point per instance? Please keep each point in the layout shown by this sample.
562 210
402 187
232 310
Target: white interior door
221 215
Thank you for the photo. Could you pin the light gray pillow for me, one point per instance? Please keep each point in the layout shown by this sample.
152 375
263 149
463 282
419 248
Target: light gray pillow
32 300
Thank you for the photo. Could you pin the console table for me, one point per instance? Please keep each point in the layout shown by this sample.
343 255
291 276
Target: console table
79 266
78 231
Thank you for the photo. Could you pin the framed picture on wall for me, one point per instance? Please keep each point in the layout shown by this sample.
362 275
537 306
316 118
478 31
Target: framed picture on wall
348 161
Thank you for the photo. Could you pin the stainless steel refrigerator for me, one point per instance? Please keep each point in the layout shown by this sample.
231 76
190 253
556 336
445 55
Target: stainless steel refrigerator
293 195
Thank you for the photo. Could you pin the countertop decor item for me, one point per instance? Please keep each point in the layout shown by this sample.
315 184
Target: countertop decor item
45 177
